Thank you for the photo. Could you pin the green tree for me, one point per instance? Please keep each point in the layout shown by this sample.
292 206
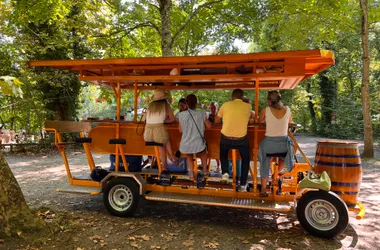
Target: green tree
178 27
54 30
315 24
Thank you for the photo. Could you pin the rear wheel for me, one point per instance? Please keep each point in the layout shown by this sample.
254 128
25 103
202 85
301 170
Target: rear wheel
121 197
322 214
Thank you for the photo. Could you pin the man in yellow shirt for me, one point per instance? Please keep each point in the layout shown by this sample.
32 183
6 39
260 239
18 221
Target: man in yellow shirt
235 115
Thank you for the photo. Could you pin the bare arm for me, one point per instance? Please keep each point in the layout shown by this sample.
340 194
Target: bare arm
262 116
207 123
219 116
171 117
217 119
180 128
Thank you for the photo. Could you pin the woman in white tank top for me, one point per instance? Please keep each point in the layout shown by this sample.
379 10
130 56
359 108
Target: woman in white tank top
277 118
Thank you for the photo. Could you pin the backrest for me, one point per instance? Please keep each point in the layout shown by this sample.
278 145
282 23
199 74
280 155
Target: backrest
68 126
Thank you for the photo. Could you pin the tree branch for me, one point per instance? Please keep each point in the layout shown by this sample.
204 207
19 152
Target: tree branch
160 4
202 6
129 30
111 34
154 6
154 26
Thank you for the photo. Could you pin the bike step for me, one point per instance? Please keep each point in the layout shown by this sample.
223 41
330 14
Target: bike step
220 201
74 189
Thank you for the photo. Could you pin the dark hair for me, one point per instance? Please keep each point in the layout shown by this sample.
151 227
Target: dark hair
214 103
274 97
191 101
246 100
237 93
182 100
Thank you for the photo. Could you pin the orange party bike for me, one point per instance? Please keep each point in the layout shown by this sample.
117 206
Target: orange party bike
321 194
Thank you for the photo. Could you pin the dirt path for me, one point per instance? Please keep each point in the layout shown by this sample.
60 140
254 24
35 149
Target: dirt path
85 224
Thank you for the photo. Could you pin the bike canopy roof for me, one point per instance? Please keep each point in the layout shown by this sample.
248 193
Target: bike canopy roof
272 70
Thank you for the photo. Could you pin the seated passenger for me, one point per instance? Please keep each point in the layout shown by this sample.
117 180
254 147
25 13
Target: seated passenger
181 106
158 113
192 125
235 115
211 118
214 111
252 116
277 118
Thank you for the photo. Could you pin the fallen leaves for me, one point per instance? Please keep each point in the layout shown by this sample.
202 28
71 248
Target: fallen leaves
1 241
46 215
188 243
28 247
243 240
157 247
169 236
212 245
142 237
98 239
135 244
136 239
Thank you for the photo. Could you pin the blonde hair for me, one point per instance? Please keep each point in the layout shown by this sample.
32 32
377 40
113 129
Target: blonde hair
275 99
158 106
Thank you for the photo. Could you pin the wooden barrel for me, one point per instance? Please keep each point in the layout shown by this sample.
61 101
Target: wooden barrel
341 160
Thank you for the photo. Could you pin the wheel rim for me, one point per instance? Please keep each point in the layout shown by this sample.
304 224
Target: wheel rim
120 197
322 215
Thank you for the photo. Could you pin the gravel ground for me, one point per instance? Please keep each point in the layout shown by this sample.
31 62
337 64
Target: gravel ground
179 226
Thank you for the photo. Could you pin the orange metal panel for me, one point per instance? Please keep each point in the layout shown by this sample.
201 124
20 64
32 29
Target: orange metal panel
215 192
85 183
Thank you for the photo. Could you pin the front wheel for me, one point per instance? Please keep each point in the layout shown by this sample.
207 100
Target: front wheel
121 197
322 214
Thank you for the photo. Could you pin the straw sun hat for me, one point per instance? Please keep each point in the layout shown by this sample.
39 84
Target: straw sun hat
159 94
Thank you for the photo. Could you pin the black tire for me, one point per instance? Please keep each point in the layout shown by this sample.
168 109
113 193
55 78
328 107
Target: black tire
322 214
121 197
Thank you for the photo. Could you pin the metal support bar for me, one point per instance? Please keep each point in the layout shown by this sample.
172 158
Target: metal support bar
234 168
64 157
136 94
256 144
87 150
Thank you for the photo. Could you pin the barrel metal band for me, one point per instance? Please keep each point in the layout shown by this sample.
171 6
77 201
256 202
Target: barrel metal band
337 156
337 164
344 184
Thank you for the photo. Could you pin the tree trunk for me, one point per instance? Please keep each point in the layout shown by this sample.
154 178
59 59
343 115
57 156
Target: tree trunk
166 35
368 140
327 88
15 215
310 105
